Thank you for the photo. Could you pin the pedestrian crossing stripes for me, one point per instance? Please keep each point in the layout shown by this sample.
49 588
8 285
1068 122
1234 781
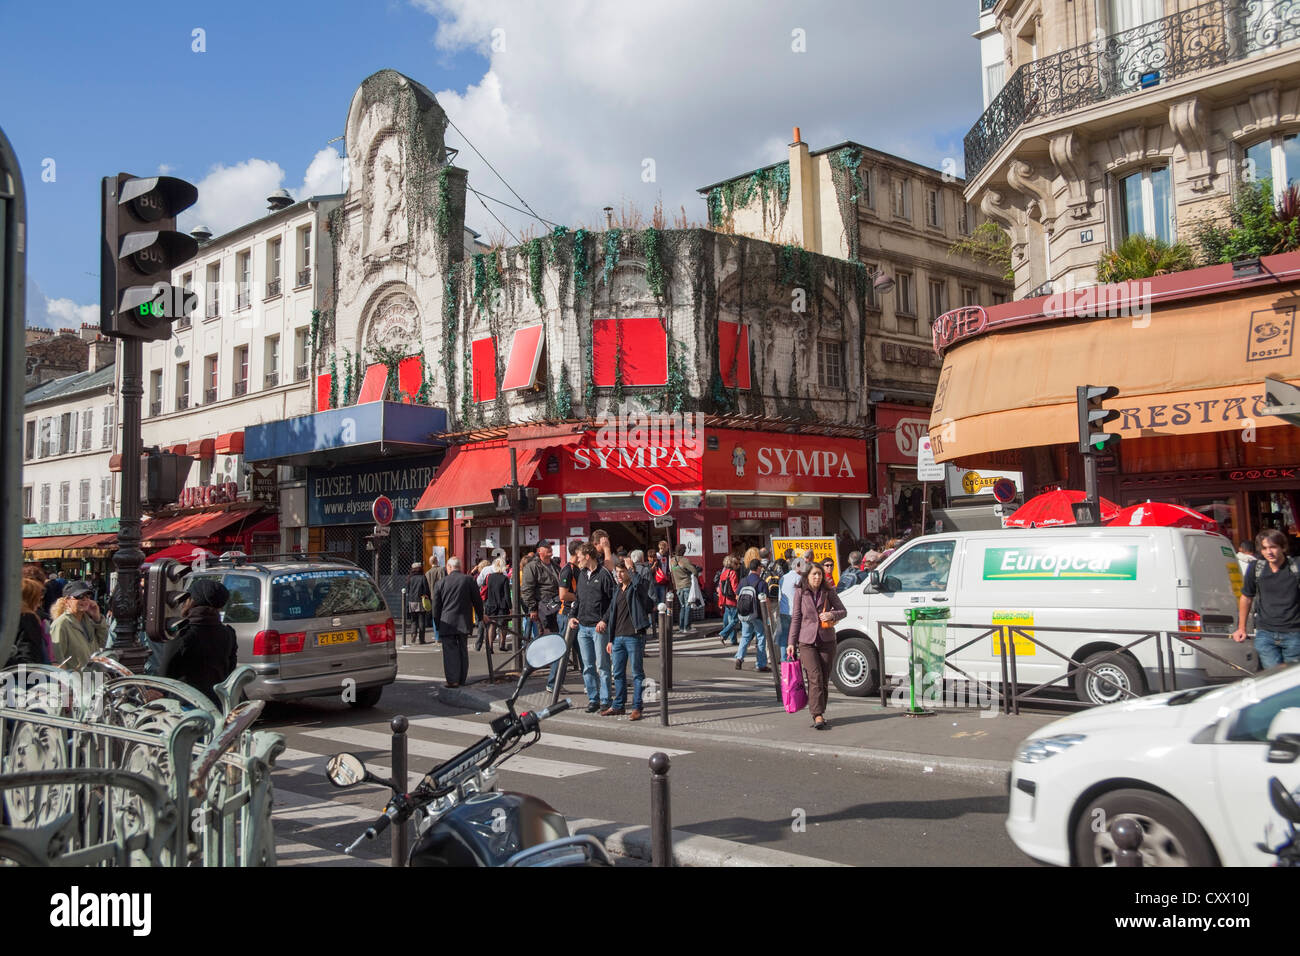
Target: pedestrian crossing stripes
586 744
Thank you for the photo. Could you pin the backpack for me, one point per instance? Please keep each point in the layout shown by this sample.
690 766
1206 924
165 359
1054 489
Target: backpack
747 603
772 579
1258 568
847 580
726 590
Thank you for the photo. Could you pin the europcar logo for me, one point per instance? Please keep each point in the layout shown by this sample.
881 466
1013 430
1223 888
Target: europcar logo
1079 562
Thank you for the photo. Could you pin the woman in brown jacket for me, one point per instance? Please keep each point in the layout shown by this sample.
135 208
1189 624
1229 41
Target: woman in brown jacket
813 613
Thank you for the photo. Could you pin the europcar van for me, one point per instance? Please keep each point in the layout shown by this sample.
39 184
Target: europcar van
1131 578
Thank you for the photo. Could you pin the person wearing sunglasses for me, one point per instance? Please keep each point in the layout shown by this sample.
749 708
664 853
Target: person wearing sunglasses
79 630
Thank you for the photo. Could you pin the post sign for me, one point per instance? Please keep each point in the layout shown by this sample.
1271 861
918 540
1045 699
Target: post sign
382 510
658 501
926 468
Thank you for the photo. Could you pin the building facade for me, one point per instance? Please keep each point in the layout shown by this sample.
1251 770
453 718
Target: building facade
1122 117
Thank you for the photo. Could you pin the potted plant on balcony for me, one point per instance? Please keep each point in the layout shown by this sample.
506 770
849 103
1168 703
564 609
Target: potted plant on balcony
1141 257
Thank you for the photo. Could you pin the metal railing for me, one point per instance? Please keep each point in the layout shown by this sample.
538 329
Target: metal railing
209 396
1188 42
1008 691
183 402
104 768
273 288
242 300
304 277
241 388
300 372
271 380
155 408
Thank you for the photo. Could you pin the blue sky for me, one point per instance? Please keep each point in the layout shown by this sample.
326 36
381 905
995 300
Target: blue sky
567 99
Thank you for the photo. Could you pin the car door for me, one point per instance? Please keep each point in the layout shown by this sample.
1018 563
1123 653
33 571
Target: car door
1242 773
919 576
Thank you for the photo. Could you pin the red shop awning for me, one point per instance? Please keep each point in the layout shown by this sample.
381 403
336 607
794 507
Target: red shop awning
181 449
470 472
194 528
231 443
202 449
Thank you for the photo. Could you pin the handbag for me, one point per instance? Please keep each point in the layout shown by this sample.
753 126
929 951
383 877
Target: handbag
426 604
696 598
661 576
793 694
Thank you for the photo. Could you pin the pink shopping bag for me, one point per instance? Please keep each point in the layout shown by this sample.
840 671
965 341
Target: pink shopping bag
793 694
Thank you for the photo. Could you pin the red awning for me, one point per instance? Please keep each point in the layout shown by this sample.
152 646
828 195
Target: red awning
70 542
193 528
470 472
201 449
184 553
180 449
525 352
114 462
231 443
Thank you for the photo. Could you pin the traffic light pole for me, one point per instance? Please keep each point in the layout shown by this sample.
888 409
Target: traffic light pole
1090 480
126 645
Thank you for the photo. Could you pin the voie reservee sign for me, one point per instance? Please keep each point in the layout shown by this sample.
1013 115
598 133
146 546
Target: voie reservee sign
346 495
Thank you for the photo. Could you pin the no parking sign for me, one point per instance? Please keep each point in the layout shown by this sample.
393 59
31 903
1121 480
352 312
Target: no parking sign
658 500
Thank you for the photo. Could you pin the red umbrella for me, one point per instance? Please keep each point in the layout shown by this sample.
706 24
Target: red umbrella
1052 508
184 553
1165 515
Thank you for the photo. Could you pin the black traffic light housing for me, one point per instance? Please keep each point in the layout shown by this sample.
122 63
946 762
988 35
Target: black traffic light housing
523 501
162 596
1093 438
139 247
162 477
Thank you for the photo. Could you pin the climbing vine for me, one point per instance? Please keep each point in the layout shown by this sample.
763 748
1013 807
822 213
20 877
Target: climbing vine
534 251
771 185
347 377
334 382
580 266
390 357
442 219
450 303
672 397
652 249
611 255
425 394
564 395
846 175
618 364
487 279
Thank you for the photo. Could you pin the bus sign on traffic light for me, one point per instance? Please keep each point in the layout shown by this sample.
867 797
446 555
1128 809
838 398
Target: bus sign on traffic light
1093 438
139 247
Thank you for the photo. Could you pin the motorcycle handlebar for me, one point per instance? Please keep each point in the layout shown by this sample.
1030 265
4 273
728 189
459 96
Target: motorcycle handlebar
529 721
373 831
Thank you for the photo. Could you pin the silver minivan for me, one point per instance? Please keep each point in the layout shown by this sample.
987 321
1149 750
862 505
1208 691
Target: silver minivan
308 628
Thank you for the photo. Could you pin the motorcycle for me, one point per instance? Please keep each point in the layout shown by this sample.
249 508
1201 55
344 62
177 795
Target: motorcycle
1288 852
461 819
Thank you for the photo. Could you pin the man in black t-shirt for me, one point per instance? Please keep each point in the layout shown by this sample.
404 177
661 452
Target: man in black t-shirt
1274 582
568 597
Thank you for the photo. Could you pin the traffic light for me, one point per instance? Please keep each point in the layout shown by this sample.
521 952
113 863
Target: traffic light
1093 439
524 499
162 478
160 600
139 247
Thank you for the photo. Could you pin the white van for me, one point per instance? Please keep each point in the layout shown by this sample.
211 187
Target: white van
1128 578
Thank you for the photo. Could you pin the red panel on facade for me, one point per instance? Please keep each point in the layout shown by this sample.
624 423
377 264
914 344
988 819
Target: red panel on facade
374 384
322 392
733 361
641 345
182 449
231 443
408 378
900 428
525 353
484 355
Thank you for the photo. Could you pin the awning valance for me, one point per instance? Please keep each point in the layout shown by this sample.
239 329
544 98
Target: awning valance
201 449
194 527
231 443
470 472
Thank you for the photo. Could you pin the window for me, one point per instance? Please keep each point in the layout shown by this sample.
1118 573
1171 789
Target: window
938 298
182 386
902 206
924 567
73 430
87 428
999 298
872 301
830 364
27 503
29 440
45 504
212 289
1145 200
187 287
1252 721
244 605
155 392
271 362
65 500
934 208
905 302
83 503
963 217
106 496
209 379
273 267
241 370
45 438
110 422
995 77
300 355
304 256
1276 159
244 276
65 432
968 294
321 594
868 189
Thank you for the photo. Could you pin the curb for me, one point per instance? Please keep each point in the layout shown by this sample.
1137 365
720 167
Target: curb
689 849
969 769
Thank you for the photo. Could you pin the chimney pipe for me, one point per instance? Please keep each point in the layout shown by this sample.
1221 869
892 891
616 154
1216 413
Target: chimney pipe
796 136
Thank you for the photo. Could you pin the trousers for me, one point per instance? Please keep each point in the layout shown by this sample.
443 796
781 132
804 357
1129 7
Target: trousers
455 657
817 660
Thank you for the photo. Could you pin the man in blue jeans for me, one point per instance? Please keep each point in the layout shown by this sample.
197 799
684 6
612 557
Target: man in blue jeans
752 627
683 573
628 618
595 593
1274 581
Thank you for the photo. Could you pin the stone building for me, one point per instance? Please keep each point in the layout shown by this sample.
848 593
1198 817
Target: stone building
52 355
1129 116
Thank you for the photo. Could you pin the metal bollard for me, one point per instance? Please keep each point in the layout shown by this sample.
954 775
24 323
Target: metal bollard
665 661
668 651
661 823
400 830
775 654
570 635
1127 835
403 617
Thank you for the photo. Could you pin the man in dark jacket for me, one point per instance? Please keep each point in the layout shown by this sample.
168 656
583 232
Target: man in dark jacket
417 590
433 577
595 594
207 650
456 601
630 613
539 587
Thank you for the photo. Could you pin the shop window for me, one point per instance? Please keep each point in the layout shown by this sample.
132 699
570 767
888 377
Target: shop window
614 503
803 501
733 354
715 501
550 503
681 500
636 349
485 369
757 501
575 503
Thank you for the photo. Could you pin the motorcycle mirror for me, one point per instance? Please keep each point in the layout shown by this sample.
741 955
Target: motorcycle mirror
544 651
345 770
1282 800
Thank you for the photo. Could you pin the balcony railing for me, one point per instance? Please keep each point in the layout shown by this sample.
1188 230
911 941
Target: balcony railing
241 388
1191 41
183 403
300 372
155 408
273 288
271 380
241 301
209 396
304 277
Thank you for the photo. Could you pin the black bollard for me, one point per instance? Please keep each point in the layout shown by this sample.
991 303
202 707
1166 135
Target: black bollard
669 598
399 725
661 823
1127 834
403 617
665 662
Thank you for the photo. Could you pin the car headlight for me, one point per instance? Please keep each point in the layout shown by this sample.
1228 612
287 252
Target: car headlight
1040 748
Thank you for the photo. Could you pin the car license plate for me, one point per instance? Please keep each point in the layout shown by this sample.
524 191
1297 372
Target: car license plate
337 637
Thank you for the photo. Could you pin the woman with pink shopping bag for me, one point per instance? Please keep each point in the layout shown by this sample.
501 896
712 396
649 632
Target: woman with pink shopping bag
813 613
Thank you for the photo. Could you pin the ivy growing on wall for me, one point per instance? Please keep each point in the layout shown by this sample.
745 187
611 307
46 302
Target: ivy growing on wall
390 357
334 381
652 249
564 395
425 395
611 255
533 249
442 219
580 265
770 184
487 279
450 306
846 176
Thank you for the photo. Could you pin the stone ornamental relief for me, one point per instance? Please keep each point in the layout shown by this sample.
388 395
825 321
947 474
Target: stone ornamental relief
386 206
394 323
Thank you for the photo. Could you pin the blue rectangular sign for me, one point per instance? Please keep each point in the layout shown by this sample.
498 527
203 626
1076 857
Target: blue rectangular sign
344 495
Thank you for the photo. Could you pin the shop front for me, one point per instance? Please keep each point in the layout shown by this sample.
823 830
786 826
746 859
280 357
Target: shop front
899 430
85 547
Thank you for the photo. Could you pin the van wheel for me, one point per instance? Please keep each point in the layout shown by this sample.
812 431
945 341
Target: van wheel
367 697
1116 677
856 670
1170 834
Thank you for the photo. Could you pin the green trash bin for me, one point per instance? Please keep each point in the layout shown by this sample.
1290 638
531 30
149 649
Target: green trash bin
928 633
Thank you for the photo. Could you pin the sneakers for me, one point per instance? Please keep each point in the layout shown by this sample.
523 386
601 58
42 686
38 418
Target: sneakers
613 712
764 670
739 664
593 707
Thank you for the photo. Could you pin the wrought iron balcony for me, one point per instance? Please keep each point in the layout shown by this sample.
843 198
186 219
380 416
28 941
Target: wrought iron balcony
271 380
209 396
1201 38
304 277
300 372
155 408
183 402
273 288
242 301
241 388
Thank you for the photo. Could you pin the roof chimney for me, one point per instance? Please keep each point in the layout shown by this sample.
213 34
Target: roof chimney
201 233
278 200
796 136
102 351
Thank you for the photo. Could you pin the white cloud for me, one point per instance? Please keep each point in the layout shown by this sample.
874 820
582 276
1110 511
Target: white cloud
325 175
230 196
577 96
46 313
165 169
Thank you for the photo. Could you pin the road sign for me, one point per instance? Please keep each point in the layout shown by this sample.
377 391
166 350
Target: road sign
382 510
381 531
664 521
926 468
658 500
1004 490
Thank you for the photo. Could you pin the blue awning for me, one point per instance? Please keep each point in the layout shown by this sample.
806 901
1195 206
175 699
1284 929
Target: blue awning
347 434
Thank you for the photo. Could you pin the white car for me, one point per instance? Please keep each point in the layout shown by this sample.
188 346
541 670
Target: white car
1191 767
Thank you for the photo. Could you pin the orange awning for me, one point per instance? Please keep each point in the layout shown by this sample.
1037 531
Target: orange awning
201 449
231 443
195 527
181 449
470 472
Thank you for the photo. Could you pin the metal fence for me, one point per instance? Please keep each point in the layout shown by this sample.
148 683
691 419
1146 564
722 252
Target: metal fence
118 769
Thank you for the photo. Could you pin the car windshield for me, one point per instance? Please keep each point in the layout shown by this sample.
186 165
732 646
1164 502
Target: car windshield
311 594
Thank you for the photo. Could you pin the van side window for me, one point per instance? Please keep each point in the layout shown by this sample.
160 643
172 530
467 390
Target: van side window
924 567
